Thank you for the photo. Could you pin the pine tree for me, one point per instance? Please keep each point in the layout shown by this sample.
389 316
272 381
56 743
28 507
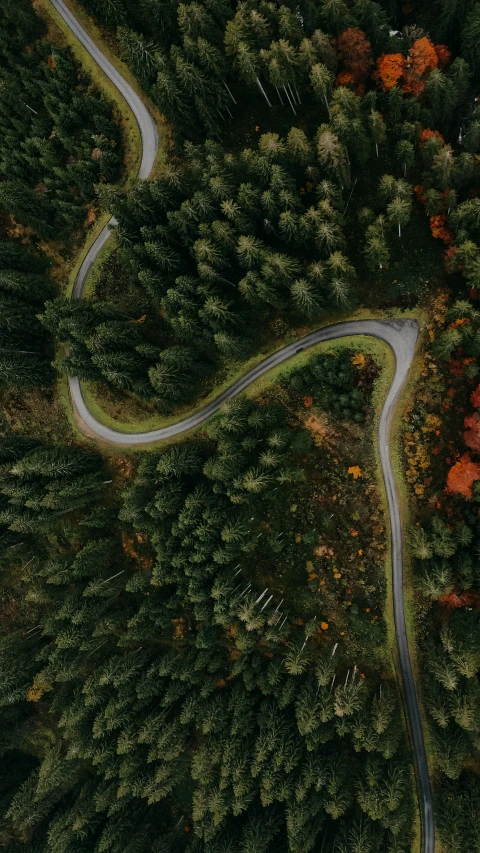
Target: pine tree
26 206
470 38
376 250
322 83
399 211
332 155
443 164
139 54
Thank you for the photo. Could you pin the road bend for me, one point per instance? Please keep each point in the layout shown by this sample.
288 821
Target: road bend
400 335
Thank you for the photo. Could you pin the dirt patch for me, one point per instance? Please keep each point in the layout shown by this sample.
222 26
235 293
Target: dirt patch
320 430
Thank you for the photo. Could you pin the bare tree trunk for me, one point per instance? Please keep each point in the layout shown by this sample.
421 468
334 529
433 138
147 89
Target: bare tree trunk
326 104
23 351
291 93
376 147
399 230
289 101
229 92
350 196
279 95
263 91
296 91
29 107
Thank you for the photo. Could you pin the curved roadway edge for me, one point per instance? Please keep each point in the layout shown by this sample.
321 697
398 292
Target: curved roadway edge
400 335
146 124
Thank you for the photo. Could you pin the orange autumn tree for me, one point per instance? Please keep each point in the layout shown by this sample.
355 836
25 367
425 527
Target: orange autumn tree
345 78
356 52
439 229
410 73
422 57
389 70
462 476
475 397
471 436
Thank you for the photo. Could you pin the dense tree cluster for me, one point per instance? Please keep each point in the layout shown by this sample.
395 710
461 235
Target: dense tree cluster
222 242
446 549
37 483
59 137
222 220
58 140
455 22
192 717
203 62
332 378
24 349
153 697
449 577
103 344
457 819
447 563
206 244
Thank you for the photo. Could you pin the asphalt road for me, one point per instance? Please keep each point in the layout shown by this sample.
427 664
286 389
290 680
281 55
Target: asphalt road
400 335
146 124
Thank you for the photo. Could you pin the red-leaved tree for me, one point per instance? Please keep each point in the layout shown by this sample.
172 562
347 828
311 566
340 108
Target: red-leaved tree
471 435
443 55
462 476
356 52
459 599
475 397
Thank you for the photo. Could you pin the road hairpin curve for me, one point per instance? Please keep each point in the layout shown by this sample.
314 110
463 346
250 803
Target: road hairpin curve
400 335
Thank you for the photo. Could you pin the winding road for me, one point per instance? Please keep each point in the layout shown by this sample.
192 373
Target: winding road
400 335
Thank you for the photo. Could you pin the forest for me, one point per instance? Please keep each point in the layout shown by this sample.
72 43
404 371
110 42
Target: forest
320 161
230 245
59 140
441 446
244 723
